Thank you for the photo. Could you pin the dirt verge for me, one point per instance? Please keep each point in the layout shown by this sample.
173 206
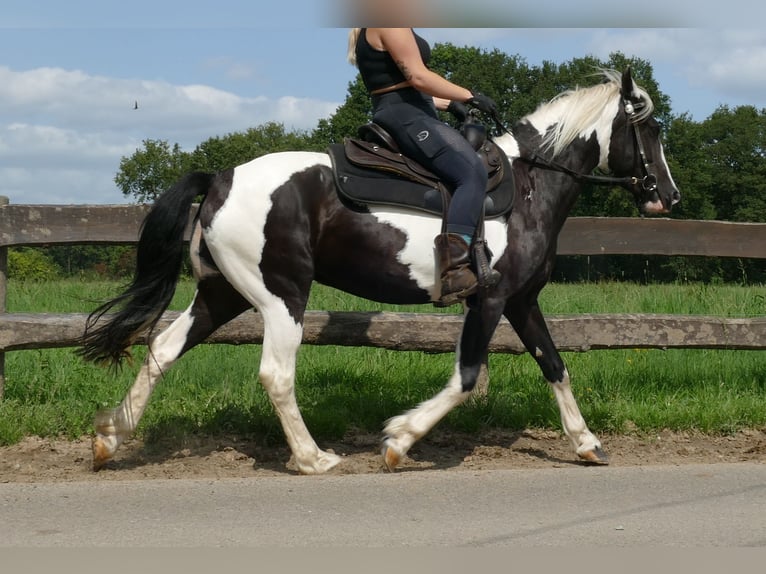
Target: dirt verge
45 460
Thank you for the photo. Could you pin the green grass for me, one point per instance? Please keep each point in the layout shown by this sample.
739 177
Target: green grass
214 388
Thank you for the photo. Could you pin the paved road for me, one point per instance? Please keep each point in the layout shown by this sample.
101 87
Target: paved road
699 505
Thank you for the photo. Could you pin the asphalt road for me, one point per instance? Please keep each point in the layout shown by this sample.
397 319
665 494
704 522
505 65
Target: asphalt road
675 506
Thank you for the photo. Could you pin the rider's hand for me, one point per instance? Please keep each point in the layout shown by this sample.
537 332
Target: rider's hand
482 103
459 110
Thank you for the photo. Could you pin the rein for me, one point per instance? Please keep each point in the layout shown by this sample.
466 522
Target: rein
648 182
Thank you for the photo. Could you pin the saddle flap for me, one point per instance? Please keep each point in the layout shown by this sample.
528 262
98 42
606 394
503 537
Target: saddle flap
374 156
370 154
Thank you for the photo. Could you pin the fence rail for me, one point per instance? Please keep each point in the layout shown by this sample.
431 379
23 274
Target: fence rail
28 225
43 225
432 332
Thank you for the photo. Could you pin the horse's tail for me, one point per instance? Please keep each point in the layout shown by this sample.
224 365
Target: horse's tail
159 260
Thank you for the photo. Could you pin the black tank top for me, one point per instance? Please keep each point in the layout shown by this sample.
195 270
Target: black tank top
378 68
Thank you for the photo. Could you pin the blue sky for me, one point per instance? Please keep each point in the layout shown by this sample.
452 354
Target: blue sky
70 72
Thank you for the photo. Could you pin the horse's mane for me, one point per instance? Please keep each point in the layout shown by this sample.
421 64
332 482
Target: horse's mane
582 108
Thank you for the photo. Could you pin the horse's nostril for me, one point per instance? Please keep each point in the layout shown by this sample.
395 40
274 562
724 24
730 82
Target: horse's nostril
676 196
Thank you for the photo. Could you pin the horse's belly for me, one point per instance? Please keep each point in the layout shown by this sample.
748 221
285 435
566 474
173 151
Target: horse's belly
417 255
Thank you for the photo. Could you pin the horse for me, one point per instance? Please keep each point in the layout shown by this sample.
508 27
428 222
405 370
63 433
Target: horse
267 229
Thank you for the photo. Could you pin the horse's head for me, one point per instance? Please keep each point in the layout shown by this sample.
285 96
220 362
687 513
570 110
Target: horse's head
636 152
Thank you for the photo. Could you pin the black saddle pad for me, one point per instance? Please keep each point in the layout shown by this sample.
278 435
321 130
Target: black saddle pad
359 187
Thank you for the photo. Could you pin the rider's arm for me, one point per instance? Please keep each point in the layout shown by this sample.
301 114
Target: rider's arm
441 103
401 44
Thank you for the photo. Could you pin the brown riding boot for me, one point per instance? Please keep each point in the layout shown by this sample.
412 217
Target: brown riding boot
453 259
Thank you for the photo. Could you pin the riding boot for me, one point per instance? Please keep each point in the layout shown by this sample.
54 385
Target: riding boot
453 263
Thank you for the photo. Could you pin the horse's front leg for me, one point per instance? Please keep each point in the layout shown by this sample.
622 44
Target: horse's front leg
403 431
529 323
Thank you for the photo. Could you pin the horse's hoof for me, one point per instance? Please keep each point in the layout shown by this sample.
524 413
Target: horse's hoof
328 461
595 456
101 454
324 462
391 458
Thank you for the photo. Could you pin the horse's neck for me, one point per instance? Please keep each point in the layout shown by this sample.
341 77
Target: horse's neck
538 184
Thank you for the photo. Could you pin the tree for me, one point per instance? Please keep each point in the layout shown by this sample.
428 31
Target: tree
219 153
355 111
103 260
734 145
151 170
157 165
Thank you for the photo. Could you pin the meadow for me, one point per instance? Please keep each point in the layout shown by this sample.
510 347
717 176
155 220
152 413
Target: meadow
214 389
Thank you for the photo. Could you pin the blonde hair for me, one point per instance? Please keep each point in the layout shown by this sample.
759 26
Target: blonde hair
353 36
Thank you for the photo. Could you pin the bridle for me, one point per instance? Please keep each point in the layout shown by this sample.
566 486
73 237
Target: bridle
648 181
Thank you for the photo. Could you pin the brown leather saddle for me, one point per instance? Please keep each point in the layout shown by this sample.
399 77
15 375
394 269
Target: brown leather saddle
370 170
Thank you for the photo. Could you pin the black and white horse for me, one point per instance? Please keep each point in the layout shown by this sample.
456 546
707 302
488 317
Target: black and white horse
268 228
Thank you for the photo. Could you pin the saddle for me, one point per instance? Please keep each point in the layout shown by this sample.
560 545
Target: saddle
370 170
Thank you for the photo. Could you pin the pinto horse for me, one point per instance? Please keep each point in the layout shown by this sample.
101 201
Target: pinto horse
267 229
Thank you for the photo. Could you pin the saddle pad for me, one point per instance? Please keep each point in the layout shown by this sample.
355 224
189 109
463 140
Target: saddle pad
359 187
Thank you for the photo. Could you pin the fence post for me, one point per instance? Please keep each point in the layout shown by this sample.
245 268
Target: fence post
3 293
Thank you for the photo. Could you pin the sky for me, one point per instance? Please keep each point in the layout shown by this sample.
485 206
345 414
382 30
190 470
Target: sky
71 72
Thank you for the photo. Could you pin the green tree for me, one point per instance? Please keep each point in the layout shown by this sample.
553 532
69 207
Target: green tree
507 79
355 111
219 153
157 165
734 144
151 170
102 260
689 163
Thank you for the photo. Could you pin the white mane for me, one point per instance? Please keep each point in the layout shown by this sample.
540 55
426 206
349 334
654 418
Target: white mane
574 112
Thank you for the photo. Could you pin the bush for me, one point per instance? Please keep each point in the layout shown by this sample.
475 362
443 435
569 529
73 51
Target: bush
31 264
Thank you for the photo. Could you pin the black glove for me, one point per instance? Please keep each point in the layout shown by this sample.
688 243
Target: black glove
459 110
482 103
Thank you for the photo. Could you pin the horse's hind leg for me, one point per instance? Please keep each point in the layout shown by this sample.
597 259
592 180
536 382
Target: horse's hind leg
529 323
215 303
403 431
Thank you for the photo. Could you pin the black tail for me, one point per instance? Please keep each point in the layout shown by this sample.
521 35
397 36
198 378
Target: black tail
159 259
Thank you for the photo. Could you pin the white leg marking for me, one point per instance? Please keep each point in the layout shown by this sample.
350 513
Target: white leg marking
115 425
282 337
571 418
402 431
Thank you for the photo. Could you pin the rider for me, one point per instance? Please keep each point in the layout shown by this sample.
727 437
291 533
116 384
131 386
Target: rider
393 63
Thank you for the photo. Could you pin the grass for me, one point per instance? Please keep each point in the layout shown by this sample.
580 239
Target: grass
214 389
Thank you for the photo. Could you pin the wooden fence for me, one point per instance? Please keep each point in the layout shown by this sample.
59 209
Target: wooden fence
42 225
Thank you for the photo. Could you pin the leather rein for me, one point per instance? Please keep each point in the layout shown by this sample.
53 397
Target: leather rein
648 182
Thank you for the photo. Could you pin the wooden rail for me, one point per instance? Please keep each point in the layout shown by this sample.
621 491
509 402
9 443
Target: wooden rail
27 225
42 225
432 332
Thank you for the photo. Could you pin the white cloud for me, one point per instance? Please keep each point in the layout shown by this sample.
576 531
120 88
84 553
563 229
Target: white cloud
69 129
730 64
231 69
59 185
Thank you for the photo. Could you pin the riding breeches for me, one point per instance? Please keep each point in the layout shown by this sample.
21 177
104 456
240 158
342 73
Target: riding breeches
411 119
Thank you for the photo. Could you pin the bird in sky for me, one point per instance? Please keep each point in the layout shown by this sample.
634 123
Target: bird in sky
135 105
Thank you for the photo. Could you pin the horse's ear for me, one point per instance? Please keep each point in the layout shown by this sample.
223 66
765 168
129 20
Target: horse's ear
628 87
